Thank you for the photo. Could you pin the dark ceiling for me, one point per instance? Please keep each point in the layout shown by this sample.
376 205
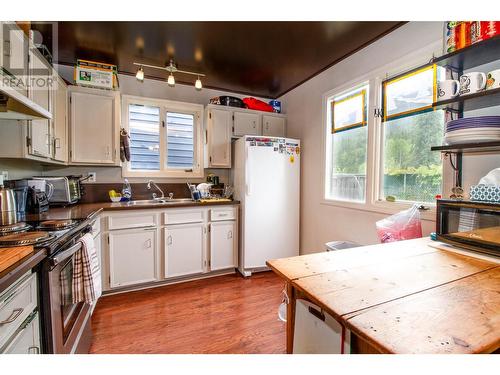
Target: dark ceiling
258 58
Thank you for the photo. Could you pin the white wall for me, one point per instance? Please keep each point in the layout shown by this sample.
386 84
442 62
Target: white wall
320 222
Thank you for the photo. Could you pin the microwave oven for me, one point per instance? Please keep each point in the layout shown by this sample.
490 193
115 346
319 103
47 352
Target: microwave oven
469 224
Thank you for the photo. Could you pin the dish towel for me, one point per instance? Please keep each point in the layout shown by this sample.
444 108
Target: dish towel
86 272
124 145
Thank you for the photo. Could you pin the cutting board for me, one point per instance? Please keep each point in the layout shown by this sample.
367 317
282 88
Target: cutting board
10 255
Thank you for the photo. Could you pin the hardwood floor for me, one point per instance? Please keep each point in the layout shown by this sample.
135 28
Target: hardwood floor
224 314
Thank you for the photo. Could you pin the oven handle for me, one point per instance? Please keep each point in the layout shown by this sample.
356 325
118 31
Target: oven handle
59 258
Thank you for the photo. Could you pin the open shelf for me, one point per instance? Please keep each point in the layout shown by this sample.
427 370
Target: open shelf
471 147
483 99
477 54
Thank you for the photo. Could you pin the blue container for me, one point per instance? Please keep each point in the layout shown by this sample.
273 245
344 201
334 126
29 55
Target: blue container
276 104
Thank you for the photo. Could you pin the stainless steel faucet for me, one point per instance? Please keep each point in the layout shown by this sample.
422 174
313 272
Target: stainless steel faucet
151 182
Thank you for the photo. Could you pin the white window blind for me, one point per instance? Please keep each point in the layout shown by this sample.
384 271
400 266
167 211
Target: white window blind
180 140
144 131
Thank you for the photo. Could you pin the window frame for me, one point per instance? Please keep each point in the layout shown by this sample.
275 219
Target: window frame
167 106
374 172
362 86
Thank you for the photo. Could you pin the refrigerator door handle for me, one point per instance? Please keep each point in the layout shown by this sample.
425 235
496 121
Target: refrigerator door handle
248 171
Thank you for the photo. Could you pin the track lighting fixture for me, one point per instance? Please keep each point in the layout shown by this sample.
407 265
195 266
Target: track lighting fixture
171 68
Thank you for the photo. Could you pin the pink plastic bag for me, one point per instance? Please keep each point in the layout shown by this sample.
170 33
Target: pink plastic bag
404 225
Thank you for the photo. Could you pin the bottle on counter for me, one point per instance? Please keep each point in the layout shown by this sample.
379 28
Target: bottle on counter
127 190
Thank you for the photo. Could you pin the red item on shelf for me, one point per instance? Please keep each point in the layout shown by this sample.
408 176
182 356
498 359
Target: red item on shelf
462 33
257 104
489 29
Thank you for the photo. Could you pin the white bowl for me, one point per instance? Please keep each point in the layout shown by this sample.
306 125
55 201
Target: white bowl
115 199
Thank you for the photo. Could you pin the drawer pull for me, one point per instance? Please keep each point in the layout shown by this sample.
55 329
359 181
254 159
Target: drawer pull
222 215
229 234
169 240
15 314
33 350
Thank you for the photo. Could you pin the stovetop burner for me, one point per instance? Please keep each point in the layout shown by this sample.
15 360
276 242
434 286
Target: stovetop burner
14 228
26 238
52 225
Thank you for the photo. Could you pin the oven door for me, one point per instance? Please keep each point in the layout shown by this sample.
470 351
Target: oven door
69 322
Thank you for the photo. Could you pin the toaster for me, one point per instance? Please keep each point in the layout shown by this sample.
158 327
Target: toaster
66 190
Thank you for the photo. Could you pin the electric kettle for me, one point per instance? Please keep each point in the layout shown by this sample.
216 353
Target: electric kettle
7 204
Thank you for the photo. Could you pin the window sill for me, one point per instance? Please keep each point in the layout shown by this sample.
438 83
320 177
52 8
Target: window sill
380 207
164 174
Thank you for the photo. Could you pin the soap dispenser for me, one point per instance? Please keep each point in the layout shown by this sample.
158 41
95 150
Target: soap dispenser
127 190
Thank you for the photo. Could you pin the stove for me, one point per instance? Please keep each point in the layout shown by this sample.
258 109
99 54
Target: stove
66 325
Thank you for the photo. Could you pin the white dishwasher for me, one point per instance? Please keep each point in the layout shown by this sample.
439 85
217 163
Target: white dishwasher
316 332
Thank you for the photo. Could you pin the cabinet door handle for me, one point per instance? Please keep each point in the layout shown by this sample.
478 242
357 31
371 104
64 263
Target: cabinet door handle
57 142
148 244
254 124
6 50
229 234
169 240
15 314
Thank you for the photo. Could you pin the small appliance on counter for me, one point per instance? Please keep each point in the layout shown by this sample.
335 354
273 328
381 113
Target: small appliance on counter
7 205
471 225
65 190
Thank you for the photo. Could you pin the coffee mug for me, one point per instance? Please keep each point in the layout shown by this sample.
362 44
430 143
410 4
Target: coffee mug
448 89
493 80
472 82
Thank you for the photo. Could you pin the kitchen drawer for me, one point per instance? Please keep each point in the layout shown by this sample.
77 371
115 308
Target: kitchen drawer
221 214
96 227
27 338
16 305
124 221
182 216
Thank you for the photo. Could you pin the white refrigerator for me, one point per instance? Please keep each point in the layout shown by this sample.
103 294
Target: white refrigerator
266 179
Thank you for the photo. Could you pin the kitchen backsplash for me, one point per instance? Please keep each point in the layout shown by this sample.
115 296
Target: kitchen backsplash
99 192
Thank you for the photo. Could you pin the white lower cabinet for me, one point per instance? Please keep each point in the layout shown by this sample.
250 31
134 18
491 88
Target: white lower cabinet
132 257
223 244
184 249
171 243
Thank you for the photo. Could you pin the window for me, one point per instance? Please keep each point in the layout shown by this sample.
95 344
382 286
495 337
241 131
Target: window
411 172
347 145
378 141
165 138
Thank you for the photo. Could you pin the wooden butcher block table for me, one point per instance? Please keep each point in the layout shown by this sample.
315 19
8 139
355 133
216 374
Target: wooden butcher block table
401 297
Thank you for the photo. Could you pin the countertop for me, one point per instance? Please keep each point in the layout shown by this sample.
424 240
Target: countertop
86 210
81 211
404 297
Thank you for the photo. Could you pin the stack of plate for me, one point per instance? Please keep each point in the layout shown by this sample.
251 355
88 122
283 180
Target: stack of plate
473 129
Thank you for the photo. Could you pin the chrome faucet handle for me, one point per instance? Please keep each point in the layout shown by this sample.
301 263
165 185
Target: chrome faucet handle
170 196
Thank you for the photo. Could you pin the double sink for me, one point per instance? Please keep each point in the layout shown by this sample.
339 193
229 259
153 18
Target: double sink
158 201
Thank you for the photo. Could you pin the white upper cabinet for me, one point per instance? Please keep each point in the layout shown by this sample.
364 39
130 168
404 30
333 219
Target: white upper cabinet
40 75
14 50
273 126
59 121
219 138
223 245
39 138
184 249
246 123
94 126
